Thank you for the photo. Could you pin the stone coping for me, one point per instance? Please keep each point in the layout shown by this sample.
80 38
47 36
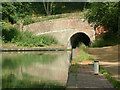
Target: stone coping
31 49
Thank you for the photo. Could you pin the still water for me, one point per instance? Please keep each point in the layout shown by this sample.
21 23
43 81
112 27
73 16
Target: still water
35 69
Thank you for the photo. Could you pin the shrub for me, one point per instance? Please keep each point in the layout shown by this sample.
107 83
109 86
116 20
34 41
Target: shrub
8 33
28 20
109 39
27 39
13 35
104 13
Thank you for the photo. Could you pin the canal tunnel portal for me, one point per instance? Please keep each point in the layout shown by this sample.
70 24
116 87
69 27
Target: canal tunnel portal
79 38
69 32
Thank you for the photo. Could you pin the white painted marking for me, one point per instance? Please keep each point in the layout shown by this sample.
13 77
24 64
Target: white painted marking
60 30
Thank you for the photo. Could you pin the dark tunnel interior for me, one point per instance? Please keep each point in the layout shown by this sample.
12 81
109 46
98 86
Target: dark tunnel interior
79 38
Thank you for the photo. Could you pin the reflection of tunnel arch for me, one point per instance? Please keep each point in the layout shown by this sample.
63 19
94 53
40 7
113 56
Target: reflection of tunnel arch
79 38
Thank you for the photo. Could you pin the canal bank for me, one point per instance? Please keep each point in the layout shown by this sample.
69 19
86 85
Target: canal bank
109 59
15 48
84 78
81 75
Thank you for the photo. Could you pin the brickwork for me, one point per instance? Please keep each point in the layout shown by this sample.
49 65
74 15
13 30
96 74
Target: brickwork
85 78
62 29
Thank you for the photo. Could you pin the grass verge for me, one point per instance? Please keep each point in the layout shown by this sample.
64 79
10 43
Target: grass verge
13 35
28 20
74 69
114 82
83 54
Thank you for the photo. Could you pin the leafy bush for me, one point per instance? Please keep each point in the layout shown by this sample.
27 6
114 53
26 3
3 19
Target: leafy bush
12 11
13 35
27 39
8 33
104 13
109 39
28 20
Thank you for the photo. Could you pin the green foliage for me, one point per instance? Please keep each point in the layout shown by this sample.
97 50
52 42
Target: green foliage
27 39
74 68
12 35
12 11
8 33
109 39
83 55
104 13
28 20
67 7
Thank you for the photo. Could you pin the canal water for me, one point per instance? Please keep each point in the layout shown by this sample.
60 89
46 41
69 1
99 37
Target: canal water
35 69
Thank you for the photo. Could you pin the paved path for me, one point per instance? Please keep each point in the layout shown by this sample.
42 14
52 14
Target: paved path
85 78
108 58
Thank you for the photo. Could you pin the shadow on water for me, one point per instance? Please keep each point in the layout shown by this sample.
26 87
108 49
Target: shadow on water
35 70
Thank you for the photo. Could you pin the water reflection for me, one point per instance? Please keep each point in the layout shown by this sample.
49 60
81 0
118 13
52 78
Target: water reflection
25 70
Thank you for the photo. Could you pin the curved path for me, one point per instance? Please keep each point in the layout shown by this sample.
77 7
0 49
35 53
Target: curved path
108 58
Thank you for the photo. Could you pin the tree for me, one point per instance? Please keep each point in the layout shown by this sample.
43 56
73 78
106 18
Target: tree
11 11
48 6
104 13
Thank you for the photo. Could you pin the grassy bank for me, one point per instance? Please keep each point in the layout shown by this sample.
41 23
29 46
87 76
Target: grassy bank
85 57
33 19
109 39
28 20
114 82
83 54
13 35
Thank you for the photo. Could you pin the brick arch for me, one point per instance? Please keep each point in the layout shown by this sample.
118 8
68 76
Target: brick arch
61 29
84 35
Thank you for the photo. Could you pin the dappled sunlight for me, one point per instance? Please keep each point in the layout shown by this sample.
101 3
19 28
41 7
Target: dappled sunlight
109 63
107 57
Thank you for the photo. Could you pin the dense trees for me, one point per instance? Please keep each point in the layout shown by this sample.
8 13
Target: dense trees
104 13
13 11
101 13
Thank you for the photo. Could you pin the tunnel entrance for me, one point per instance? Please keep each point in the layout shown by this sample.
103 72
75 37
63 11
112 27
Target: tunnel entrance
79 38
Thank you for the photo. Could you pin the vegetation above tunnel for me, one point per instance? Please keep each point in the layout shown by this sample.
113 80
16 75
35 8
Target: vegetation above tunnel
100 13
